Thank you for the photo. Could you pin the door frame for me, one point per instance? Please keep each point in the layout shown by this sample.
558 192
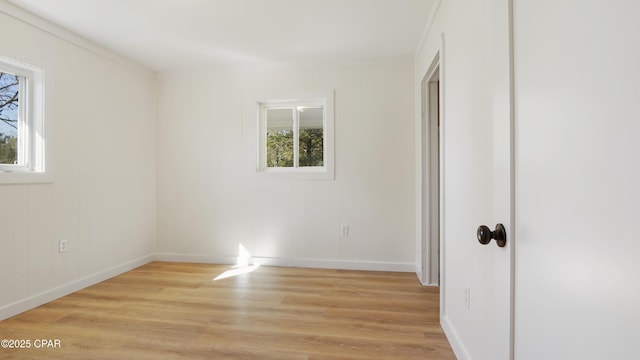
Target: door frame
431 172
501 264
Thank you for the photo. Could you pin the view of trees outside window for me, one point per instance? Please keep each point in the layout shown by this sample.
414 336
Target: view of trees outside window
9 104
281 137
280 148
311 137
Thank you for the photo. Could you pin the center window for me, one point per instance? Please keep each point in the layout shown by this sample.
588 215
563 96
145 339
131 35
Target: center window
294 137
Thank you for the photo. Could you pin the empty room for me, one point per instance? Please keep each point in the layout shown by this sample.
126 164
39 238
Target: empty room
319 179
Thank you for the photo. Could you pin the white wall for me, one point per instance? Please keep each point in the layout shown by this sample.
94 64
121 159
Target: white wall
102 199
210 200
467 163
577 97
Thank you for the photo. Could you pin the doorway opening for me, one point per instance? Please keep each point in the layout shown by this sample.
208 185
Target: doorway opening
431 170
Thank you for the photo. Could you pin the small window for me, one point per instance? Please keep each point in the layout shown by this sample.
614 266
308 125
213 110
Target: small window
295 137
21 123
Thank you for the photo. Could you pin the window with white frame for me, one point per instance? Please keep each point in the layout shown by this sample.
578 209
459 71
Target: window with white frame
296 136
21 117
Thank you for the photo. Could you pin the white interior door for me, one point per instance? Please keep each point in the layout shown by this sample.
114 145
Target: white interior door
577 97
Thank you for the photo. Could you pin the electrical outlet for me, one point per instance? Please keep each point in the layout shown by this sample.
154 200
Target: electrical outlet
344 230
62 246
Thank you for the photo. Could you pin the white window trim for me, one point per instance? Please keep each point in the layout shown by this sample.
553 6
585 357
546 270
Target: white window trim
32 169
325 172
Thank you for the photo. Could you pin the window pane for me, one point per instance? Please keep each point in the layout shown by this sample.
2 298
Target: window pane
9 109
311 137
280 137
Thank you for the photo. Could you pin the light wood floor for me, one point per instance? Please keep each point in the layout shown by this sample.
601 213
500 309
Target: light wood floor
175 311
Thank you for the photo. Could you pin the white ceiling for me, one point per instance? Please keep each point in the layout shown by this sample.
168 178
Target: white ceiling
177 34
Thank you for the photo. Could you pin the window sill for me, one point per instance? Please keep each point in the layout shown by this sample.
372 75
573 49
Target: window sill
319 173
30 177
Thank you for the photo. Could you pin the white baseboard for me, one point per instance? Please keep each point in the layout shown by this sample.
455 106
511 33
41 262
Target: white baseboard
188 258
290 262
454 340
44 297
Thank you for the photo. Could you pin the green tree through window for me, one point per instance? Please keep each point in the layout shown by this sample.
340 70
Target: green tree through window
9 104
280 148
311 147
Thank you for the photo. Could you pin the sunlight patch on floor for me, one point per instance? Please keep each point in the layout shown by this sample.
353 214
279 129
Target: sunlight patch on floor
237 270
242 265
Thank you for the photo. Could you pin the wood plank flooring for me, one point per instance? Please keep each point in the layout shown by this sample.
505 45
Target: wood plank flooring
176 311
